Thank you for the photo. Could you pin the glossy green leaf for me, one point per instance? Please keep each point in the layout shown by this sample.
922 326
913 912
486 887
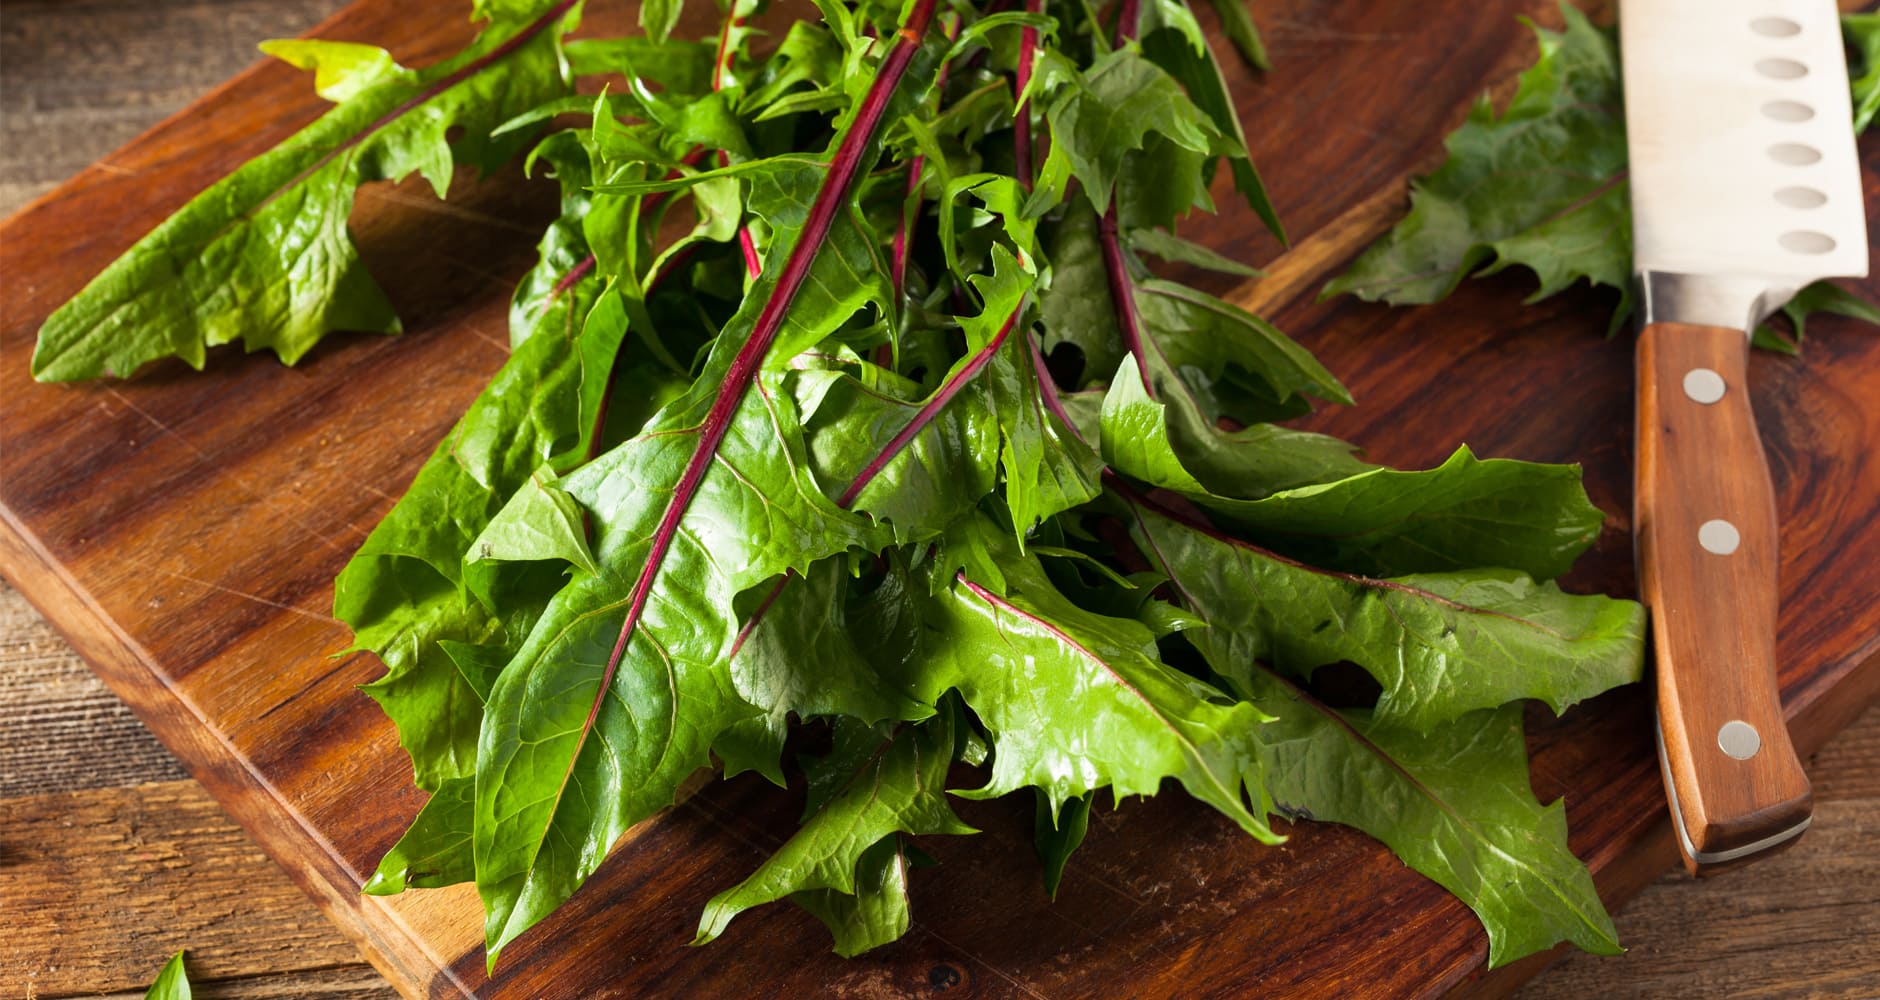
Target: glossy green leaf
877 912
622 687
1453 803
1441 644
264 256
899 787
1056 835
1543 186
1099 115
436 850
407 587
1464 513
172 982
1075 701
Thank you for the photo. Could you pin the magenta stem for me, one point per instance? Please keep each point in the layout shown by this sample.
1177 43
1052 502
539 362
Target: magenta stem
935 403
1128 20
1022 149
1123 294
475 66
904 231
738 378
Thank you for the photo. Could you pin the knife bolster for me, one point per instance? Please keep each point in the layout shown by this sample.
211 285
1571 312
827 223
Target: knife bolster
1739 302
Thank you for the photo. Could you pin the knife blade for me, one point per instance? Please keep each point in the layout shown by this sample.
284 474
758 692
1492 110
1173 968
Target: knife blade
1745 187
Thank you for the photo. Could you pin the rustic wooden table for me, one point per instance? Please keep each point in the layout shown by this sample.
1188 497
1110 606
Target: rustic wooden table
105 839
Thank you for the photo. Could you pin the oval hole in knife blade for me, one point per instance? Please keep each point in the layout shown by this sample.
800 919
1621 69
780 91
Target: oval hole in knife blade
1794 154
1775 27
1781 69
1806 241
1801 197
1787 111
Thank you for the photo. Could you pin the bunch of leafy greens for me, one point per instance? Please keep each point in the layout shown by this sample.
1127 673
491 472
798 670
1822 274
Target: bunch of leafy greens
1543 186
779 445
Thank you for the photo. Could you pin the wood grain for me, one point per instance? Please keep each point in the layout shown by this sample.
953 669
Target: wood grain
1699 463
1150 915
70 858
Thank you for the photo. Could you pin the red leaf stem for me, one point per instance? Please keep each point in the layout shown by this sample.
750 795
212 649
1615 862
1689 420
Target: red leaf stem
919 422
1122 287
935 403
1123 294
653 200
904 231
462 73
843 169
1128 21
1022 150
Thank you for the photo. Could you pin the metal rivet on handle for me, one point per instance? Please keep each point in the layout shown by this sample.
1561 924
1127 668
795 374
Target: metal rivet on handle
1739 739
1703 385
1718 537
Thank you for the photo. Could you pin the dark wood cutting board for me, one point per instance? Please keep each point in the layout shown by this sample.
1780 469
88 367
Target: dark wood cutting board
183 529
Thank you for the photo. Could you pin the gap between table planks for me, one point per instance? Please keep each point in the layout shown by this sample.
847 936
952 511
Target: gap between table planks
257 375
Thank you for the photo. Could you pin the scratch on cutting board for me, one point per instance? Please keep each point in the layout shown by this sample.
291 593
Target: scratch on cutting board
162 428
995 970
257 598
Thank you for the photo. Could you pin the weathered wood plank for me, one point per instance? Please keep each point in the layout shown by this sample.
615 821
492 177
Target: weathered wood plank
63 730
100 886
1803 923
347 982
84 78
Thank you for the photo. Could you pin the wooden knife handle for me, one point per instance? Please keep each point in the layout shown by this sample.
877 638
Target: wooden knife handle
1705 513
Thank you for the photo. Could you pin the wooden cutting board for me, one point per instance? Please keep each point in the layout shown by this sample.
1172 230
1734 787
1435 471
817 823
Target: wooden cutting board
183 529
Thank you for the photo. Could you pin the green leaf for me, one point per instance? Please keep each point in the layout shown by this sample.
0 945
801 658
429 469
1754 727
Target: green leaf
1541 186
1075 701
1174 249
797 654
679 66
1237 22
1382 522
1056 835
541 522
341 70
1442 645
1098 116
407 587
550 798
900 787
264 256
623 686
172 983
1826 297
1863 36
1190 61
877 912
436 850
1194 332
1454 804
1076 307
562 287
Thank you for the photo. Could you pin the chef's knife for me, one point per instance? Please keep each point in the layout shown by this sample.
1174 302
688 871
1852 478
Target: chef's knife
1745 187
